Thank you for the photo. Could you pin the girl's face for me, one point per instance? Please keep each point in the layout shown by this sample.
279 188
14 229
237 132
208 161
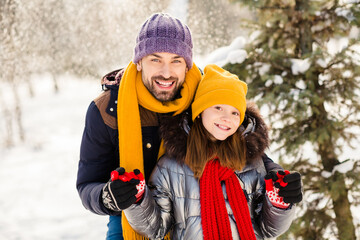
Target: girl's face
221 120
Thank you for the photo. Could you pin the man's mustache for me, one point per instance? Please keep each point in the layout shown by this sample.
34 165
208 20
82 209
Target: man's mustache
159 77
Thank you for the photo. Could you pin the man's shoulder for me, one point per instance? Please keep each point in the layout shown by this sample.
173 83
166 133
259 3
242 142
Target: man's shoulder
103 98
106 102
107 107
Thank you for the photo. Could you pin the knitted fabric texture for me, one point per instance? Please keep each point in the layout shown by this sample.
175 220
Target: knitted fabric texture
214 217
164 33
218 86
132 92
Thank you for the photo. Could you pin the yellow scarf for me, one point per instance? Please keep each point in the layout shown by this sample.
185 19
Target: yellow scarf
132 92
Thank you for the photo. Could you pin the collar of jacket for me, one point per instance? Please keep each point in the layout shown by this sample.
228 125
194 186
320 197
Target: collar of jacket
174 131
110 82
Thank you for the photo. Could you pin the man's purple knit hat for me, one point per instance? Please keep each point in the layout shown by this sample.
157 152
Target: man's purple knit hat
164 33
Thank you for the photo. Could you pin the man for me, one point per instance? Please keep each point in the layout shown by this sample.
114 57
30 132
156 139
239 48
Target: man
122 124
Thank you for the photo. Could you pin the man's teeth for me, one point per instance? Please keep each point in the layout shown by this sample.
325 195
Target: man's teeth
165 84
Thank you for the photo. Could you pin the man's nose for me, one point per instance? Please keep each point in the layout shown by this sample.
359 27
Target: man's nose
166 71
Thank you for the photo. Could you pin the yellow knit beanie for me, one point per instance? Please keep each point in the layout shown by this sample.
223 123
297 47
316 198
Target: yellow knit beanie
219 86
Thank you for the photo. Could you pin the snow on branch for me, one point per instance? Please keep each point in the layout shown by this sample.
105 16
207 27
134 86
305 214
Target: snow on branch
344 167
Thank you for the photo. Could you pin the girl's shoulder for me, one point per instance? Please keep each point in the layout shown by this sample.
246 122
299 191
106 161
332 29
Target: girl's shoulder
254 166
172 166
168 162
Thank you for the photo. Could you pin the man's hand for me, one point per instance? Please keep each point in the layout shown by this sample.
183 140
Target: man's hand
283 188
123 189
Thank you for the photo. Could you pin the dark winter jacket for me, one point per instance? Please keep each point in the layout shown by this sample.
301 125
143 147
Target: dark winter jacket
99 152
174 199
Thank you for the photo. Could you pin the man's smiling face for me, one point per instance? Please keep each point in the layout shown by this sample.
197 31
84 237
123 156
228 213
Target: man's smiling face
163 74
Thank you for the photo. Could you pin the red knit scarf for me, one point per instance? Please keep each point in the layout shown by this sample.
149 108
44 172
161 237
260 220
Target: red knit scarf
214 217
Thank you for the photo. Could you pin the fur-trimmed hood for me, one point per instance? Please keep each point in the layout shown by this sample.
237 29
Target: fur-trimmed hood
174 131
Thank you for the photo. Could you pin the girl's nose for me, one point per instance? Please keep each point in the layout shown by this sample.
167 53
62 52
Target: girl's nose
225 117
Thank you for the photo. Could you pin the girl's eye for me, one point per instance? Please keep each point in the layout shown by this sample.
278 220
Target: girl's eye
217 108
236 113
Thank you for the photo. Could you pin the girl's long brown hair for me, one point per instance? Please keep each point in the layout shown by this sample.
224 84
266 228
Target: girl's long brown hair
201 148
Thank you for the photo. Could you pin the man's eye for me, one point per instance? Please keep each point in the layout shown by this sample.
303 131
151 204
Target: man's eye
155 60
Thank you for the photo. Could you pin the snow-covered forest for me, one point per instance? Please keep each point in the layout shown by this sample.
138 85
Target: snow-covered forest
53 54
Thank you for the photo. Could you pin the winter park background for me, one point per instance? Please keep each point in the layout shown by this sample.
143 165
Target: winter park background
45 92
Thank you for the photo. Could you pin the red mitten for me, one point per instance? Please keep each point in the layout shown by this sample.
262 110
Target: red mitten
272 191
127 176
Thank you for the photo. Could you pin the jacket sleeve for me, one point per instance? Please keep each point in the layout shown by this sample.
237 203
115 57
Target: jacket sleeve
153 217
275 221
98 157
270 165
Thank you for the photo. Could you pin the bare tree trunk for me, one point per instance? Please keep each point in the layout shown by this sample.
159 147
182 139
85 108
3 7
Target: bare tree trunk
18 112
56 85
8 139
337 189
344 219
10 7
30 88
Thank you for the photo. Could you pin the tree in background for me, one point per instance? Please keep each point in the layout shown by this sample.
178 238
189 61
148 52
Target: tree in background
304 64
213 23
82 38
10 50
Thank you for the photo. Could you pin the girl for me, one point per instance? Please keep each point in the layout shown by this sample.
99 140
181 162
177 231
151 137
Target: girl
213 186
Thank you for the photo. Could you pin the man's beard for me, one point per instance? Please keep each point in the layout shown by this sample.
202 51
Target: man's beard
163 96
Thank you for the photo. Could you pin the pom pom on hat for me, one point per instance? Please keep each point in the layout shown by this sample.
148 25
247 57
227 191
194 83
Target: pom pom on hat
219 86
164 33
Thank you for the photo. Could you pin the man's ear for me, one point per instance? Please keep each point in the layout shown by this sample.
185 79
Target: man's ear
138 66
186 69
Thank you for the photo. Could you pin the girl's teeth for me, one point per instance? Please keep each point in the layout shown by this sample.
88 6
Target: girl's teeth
222 127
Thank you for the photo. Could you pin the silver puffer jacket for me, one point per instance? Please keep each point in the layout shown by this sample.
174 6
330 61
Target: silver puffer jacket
172 199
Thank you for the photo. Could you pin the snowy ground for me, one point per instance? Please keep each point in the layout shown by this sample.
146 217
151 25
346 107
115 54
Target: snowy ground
38 198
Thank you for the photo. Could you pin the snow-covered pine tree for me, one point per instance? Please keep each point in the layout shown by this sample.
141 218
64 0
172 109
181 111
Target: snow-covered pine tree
304 64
